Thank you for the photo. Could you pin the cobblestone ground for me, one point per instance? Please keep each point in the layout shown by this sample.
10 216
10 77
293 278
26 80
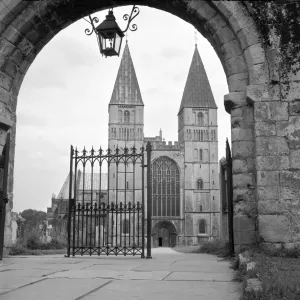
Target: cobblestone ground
168 275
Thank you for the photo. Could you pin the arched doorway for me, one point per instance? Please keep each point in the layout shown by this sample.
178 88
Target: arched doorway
164 234
29 25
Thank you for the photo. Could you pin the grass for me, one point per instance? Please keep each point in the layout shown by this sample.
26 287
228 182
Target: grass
216 247
278 271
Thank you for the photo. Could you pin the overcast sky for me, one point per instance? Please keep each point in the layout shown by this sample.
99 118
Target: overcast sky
65 94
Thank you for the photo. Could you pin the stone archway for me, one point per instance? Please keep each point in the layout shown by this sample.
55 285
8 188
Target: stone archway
164 234
260 115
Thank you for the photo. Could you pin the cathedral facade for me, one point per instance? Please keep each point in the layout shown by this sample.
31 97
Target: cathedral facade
185 175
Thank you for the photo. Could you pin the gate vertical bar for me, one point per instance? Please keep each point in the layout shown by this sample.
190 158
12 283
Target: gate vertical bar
229 197
70 202
3 194
149 200
143 207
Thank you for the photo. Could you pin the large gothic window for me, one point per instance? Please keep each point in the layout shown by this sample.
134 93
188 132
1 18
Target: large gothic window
165 181
126 116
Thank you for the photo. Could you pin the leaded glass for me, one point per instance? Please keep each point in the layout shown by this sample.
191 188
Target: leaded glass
165 187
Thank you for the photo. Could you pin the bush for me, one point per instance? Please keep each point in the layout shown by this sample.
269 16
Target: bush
33 242
217 247
17 249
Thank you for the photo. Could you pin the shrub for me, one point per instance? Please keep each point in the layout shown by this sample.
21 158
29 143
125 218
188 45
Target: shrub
217 247
56 244
17 249
33 241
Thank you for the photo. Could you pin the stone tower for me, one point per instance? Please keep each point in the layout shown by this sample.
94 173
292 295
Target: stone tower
197 134
126 108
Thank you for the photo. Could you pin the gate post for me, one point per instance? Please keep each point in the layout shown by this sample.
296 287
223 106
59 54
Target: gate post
229 197
70 202
149 199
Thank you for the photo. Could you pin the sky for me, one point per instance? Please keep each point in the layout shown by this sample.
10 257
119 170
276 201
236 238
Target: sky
64 97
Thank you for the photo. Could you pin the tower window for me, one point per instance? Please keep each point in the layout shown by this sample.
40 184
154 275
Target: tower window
126 116
201 154
120 116
200 119
199 184
200 208
202 226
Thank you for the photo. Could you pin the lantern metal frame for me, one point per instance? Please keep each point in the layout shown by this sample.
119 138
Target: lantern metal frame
95 20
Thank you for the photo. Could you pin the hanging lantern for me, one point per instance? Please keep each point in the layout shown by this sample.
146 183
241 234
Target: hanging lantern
109 36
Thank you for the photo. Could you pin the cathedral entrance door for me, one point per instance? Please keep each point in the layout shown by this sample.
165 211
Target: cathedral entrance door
163 237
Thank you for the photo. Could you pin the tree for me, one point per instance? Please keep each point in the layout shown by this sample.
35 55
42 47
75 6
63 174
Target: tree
34 217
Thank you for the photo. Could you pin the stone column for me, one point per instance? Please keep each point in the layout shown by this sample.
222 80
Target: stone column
243 169
277 128
5 125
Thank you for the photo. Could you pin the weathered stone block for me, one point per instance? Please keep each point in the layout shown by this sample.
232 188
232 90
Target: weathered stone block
243 194
242 180
254 55
224 35
239 166
243 223
267 178
271 146
244 237
238 82
259 74
205 12
215 23
265 128
231 49
240 134
291 92
294 108
25 46
290 193
272 162
242 149
268 193
290 178
247 36
6 47
295 159
246 208
290 128
274 228
276 110
272 207
235 65
263 92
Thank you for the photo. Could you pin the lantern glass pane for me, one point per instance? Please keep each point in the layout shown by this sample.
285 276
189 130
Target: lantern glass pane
118 42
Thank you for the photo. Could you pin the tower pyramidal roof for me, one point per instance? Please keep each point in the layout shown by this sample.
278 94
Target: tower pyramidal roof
126 89
197 91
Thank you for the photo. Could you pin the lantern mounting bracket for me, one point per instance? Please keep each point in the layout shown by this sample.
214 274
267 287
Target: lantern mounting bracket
129 18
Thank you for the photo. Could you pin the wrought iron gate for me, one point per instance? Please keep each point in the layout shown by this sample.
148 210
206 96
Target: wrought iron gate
4 160
107 202
229 196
